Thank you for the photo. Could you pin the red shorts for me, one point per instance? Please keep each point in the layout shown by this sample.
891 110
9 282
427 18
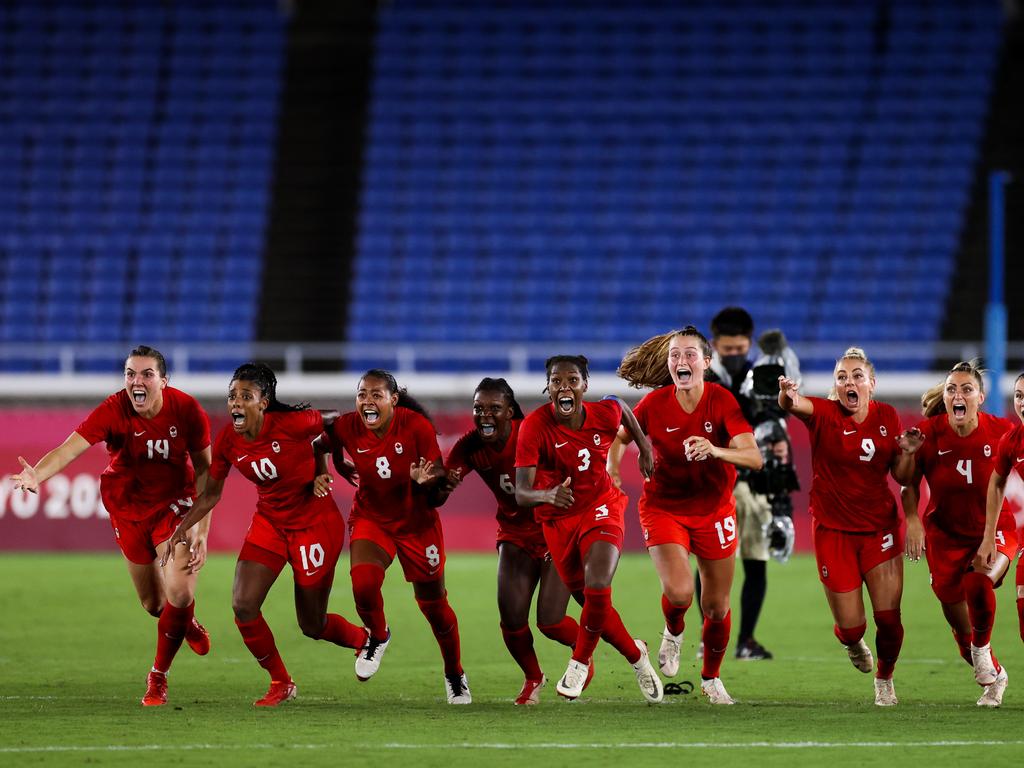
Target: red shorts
845 556
420 554
569 538
313 552
709 537
139 539
949 558
529 538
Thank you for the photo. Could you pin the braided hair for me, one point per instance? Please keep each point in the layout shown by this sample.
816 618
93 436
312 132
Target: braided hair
932 403
405 400
581 363
501 386
646 365
263 377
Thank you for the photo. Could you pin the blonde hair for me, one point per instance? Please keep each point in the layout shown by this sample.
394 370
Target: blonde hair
852 353
932 403
646 365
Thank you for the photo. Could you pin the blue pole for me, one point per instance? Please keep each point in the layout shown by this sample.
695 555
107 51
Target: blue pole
995 310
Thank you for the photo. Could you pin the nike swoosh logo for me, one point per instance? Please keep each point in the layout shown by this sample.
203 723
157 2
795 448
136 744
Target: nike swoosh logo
313 573
1020 459
850 432
362 450
943 453
672 429
559 445
140 434
240 458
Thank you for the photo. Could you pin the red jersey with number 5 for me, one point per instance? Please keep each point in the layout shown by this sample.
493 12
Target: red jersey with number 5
679 486
387 494
149 465
280 463
957 470
559 452
497 468
851 463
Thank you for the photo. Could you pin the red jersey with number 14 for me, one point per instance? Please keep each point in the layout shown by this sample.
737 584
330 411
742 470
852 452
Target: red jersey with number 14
280 463
497 468
387 495
850 463
559 452
957 470
679 486
149 465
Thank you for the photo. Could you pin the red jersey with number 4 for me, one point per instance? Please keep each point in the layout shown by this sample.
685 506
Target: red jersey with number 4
149 465
387 495
851 463
679 486
559 452
496 467
957 470
1010 452
280 463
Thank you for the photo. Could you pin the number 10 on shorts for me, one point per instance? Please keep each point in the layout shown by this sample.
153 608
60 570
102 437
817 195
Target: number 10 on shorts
312 557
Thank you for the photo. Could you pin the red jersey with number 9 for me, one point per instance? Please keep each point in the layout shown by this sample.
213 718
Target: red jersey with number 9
559 452
850 463
387 494
957 470
280 463
496 467
149 465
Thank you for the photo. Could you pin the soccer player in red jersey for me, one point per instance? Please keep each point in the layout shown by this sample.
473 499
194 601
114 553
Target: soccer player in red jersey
699 435
856 526
394 453
954 451
158 439
560 472
296 521
523 559
1009 457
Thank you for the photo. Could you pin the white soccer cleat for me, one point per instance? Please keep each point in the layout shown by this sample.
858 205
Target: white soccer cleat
993 695
457 689
646 677
369 657
885 693
715 692
984 668
668 653
860 656
572 682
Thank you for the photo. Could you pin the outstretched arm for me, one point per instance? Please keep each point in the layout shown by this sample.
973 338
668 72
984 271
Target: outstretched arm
211 495
635 432
791 401
30 478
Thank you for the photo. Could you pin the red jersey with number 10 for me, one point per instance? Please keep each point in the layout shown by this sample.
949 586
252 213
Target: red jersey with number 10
559 452
280 463
149 465
957 470
851 463
387 495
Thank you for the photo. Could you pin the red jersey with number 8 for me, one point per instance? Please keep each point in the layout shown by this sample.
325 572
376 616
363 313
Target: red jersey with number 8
850 463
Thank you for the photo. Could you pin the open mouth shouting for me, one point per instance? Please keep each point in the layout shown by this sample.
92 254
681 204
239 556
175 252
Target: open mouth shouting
851 398
566 404
487 430
959 411
684 375
139 395
371 416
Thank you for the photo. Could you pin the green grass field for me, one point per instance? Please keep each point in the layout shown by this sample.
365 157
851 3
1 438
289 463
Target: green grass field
75 649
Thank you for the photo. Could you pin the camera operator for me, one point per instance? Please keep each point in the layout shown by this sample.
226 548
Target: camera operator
763 506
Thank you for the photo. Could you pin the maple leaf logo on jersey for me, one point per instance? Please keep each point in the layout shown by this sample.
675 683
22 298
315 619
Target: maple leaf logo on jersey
988 450
398 448
276 446
883 430
824 572
707 427
174 431
597 439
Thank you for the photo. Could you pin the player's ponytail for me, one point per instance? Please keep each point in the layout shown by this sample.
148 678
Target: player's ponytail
932 402
262 375
646 365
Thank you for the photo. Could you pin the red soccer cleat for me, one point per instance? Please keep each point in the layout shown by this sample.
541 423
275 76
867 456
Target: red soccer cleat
156 690
530 694
277 693
198 638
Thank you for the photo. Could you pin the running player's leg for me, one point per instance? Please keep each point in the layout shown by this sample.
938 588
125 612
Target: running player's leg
253 580
518 575
717 577
885 588
552 601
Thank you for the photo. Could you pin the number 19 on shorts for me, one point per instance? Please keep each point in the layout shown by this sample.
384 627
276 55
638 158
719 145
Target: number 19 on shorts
726 530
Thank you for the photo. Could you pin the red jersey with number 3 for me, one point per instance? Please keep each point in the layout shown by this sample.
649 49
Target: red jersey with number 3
149 465
559 452
680 486
387 494
850 463
280 463
496 467
957 470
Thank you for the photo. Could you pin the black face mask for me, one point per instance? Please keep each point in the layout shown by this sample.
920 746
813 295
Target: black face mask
736 365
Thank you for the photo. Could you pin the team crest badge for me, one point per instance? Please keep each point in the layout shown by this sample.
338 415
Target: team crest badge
988 450
883 430
824 572
707 427
597 439
174 431
647 534
398 448
276 446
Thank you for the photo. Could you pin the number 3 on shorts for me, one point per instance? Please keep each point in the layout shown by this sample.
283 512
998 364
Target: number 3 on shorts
433 556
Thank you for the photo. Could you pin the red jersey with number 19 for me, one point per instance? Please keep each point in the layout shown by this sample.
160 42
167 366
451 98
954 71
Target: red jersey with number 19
559 452
850 463
957 470
387 494
149 458
280 463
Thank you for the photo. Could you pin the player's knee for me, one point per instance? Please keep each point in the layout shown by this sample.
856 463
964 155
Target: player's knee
513 613
154 606
679 595
714 609
312 627
245 610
